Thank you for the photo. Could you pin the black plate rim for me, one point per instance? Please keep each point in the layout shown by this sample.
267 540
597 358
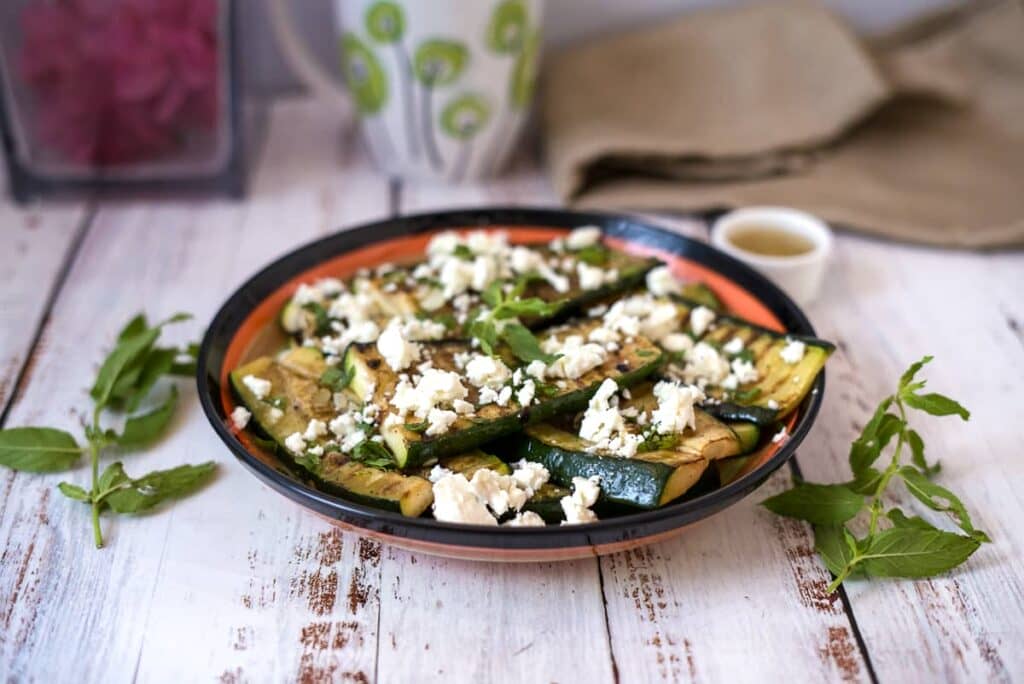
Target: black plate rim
552 537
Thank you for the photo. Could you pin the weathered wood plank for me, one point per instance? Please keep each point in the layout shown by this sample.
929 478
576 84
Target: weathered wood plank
236 582
35 246
888 306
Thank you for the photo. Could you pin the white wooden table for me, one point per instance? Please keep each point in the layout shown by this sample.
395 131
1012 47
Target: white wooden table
239 584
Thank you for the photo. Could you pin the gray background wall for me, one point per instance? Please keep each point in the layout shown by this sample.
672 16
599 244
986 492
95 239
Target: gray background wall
566 22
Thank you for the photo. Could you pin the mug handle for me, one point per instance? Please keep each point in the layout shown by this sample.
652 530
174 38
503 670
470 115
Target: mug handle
309 70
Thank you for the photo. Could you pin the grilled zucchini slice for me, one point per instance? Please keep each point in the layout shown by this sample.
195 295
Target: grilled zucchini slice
397 293
780 386
410 448
298 397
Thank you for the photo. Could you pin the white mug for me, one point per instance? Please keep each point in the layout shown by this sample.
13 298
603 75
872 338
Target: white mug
442 87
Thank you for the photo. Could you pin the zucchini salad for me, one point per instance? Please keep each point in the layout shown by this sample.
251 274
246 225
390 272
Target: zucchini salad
520 385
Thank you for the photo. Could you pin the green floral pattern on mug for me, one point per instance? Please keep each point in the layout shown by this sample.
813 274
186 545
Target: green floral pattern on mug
385 22
364 74
508 27
464 116
440 62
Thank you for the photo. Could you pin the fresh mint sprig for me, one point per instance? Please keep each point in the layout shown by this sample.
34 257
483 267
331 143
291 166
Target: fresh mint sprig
501 322
126 378
908 546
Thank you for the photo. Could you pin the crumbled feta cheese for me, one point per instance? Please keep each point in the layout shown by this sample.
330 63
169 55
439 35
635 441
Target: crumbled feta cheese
581 237
443 243
463 408
780 436
576 506
537 369
307 294
438 472
733 346
772 404
353 440
274 414
439 421
498 491
593 277
258 386
700 319
704 366
435 387
605 426
744 371
315 429
661 321
420 329
530 475
676 342
661 282
396 350
675 410
526 393
487 371
240 417
793 352
525 519
295 443
576 357
456 501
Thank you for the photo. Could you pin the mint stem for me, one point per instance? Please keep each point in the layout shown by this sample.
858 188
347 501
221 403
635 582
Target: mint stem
894 465
94 452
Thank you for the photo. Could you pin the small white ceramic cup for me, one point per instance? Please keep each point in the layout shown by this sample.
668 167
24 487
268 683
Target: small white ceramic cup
801 275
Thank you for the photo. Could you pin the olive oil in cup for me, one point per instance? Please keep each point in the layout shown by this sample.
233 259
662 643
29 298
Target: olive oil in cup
789 246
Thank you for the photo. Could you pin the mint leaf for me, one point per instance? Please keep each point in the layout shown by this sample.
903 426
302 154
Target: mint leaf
594 255
936 405
524 344
145 428
140 495
816 503
310 462
531 306
910 373
492 295
120 360
135 326
939 498
486 333
373 454
900 520
73 491
876 436
112 477
835 545
336 378
155 364
38 449
915 552
917 454
866 482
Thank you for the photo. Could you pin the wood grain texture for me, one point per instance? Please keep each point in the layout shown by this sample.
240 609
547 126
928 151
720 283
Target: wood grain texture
238 584
962 308
35 242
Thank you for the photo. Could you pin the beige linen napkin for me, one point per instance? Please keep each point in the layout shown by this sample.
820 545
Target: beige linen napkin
919 136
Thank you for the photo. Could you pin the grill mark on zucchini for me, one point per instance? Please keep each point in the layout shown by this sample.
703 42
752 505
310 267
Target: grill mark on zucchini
337 475
403 302
491 421
786 384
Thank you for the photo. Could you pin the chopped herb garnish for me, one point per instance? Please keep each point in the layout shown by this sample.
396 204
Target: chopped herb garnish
322 322
373 454
417 427
336 378
463 252
595 255
310 461
747 395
